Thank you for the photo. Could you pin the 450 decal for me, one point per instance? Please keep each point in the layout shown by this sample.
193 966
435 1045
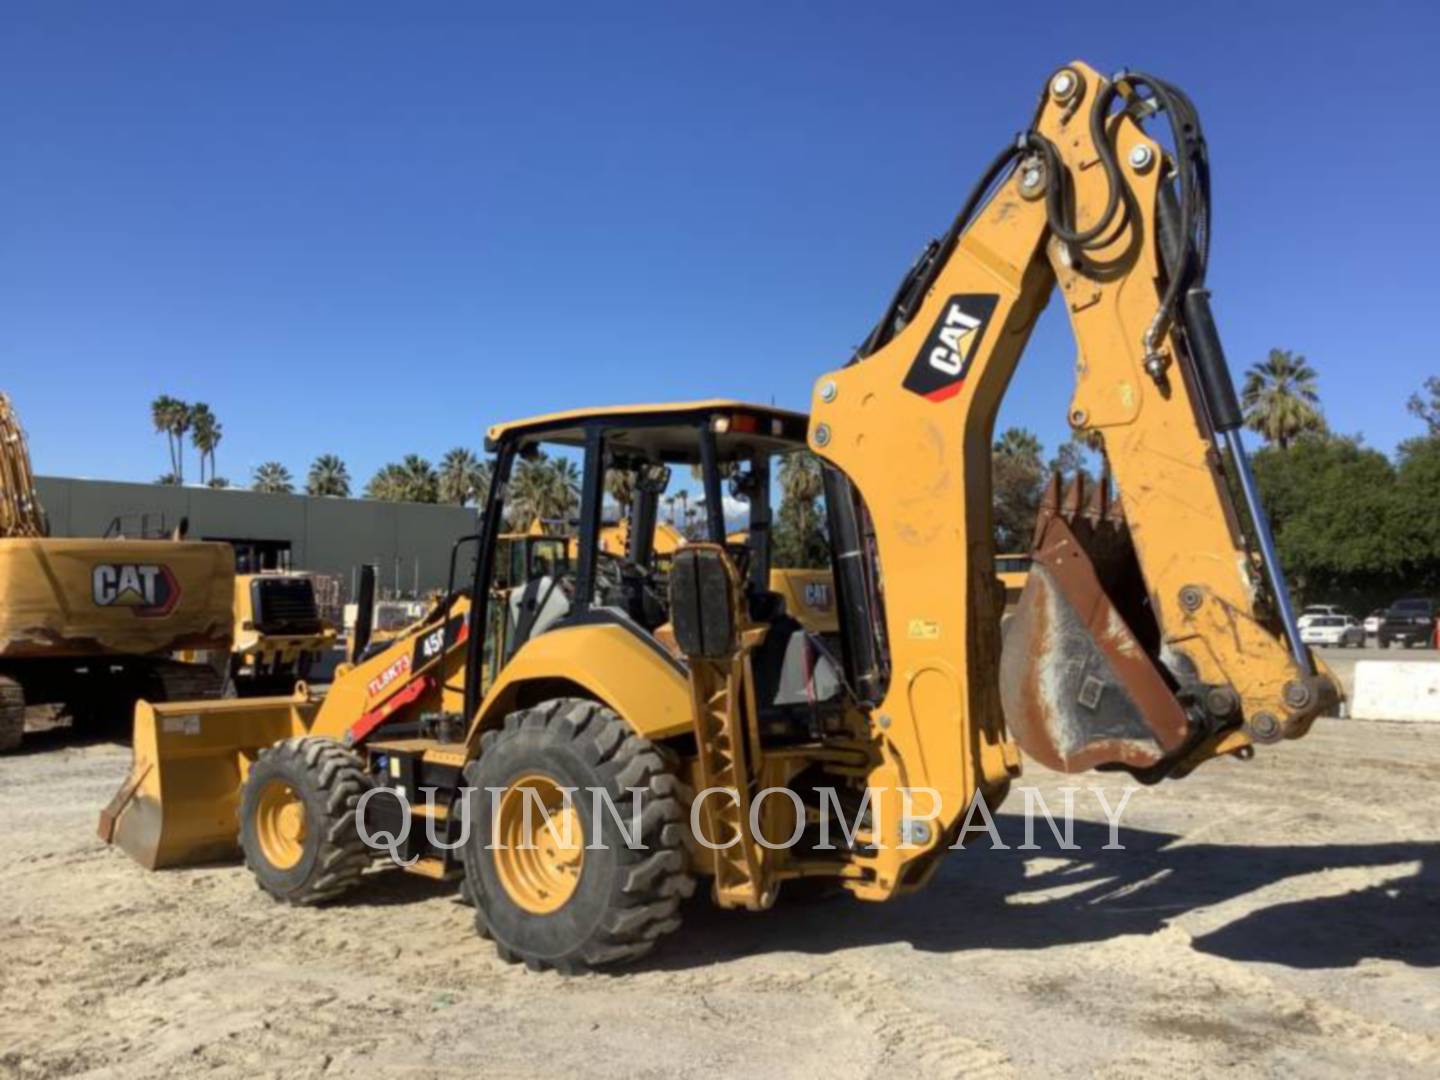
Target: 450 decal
428 646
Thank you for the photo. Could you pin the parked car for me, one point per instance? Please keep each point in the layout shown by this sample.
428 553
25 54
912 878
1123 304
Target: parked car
1341 631
1409 622
1316 611
1372 622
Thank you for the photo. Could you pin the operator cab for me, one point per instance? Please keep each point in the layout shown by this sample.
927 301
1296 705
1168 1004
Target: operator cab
610 562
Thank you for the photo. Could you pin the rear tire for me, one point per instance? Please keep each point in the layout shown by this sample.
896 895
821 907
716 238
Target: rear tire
298 820
12 714
622 899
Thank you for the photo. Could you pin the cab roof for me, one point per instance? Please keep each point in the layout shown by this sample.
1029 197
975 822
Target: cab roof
665 432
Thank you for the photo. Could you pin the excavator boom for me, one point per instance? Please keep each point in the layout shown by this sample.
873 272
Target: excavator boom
20 511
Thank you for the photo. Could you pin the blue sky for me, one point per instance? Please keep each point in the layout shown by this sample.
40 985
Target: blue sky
373 229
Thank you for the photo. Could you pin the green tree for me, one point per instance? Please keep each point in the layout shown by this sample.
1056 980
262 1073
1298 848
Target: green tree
543 487
205 435
1339 520
219 483
272 478
422 483
1280 399
463 477
620 486
799 539
328 477
1076 454
1427 408
387 485
1417 515
1018 478
171 417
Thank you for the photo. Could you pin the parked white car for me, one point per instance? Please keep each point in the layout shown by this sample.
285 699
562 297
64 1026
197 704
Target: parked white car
1340 631
1316 611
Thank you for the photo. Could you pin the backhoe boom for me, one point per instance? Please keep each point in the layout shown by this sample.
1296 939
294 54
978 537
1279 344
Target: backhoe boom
1142 639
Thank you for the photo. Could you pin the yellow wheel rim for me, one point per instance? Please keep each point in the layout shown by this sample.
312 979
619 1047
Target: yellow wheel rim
280 824
539 853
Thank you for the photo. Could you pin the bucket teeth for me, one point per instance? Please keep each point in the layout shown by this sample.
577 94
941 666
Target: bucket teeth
1081 502
1074 497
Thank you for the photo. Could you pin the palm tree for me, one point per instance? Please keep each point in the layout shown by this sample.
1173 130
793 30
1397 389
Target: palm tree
547 488
463 477
171 416
272 478
620 486
1280 398
179 425
205 434
798 534
421 483
1017 443
387 485
328 477
683 498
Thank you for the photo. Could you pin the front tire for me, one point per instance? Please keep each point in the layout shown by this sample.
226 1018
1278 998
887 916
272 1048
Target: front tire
558 900
298 820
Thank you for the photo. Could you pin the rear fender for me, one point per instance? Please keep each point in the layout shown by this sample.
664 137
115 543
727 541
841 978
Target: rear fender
613 663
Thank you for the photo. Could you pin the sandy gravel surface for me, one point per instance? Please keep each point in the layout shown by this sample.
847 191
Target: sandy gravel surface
1277 916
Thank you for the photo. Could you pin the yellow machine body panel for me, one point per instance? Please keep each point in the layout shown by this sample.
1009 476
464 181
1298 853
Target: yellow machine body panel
497 431
809 598
258 647
1012 571
189 760
633 675
94 597
179 804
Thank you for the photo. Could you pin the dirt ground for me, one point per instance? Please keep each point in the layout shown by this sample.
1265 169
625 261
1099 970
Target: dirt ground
1276 916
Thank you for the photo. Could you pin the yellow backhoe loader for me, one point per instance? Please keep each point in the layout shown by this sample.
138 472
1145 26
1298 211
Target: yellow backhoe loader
580 761
93 624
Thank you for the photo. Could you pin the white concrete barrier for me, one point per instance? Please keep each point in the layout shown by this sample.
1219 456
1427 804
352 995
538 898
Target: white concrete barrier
1396 690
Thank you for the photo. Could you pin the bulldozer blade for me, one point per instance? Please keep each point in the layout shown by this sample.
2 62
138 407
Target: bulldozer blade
1078 687
179 804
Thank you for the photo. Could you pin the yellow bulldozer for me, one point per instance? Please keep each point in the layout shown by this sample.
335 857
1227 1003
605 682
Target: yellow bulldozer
93 625
579 756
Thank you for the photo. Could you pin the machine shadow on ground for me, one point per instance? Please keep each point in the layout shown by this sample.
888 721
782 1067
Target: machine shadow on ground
985 899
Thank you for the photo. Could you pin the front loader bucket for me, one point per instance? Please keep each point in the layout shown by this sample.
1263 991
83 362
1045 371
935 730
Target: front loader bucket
1078 683
179 804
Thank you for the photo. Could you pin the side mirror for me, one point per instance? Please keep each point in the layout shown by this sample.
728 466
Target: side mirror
705 602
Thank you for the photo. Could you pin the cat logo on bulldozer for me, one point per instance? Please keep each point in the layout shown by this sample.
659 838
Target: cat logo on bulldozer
147 589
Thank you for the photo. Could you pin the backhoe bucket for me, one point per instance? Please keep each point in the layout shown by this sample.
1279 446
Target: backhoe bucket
179 805
1077 680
